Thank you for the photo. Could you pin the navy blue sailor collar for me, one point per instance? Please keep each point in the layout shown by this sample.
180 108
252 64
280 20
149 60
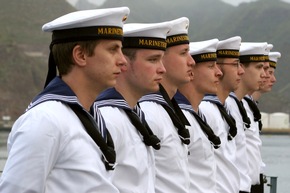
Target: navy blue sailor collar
56 90
155 97
212 98
183 102
111 97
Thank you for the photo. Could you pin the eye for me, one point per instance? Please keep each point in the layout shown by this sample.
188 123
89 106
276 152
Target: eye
153 60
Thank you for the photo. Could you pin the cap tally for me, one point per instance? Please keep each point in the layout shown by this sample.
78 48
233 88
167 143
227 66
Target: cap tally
203 51
179 32
252 52
229 48
146 36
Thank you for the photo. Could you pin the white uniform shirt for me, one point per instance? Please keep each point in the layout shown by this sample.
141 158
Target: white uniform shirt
253 146
172 175
135 170
241 146
202 164
228 179
50 152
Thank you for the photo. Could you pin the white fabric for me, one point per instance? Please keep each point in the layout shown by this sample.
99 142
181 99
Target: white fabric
171 160
232 43
89 18
203 47
50 151
151 30
201 160
254 145
241 151
228 179
135 170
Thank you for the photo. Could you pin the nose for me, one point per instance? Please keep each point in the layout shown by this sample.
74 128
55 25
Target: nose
161 69
273 78
263 74
241 70
190 61
218 71
121 60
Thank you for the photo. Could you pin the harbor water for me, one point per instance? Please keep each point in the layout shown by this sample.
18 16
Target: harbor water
275 153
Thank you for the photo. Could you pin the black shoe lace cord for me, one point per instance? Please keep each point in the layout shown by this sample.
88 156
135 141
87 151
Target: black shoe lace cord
246 119
215 140
256 112
149 138
177 116
107 148
230 120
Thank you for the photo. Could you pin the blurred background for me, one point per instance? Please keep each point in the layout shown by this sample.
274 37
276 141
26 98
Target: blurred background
24 50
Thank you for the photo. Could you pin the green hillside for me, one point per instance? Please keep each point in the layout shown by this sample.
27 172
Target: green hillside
24 47
24 50
264 20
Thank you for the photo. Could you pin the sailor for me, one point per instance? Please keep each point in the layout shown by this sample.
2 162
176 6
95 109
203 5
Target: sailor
202 164
56 145
143 47
218 117
252 58
164 116
237 110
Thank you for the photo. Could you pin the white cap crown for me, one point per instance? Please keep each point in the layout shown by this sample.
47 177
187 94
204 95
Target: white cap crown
149 35
204 50
89 18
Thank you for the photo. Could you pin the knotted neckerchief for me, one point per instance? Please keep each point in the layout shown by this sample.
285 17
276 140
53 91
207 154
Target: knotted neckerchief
57 90
185 104
173 110
111 97
256 111
243 112
229 119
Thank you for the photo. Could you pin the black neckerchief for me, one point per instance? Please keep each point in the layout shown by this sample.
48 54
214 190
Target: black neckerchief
173 110
243 112
112 97
185 104
57 90
229 119
255 110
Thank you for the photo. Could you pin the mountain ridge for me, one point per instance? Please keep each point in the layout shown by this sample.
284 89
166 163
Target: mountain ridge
24 47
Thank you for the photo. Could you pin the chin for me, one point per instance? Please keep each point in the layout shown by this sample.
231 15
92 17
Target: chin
111 84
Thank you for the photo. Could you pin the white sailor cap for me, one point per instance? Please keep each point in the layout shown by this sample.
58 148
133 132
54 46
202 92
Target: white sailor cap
83 26
88 25
204 50
146 35
252 52
267 50
273 58
179 32
229 48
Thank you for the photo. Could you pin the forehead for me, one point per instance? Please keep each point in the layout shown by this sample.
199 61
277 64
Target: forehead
149 52
178 48
228 60
256 64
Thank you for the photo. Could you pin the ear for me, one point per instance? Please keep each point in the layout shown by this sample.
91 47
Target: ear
79 56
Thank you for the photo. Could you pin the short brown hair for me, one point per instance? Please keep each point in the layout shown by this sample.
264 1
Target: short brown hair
62 54
130 53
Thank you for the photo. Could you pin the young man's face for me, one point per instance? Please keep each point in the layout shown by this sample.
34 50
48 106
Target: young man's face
253 77
269 81
206 77
103 67
178 64
265 83
232 73
145 71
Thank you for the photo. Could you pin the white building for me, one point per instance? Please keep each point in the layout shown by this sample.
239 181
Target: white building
278 120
